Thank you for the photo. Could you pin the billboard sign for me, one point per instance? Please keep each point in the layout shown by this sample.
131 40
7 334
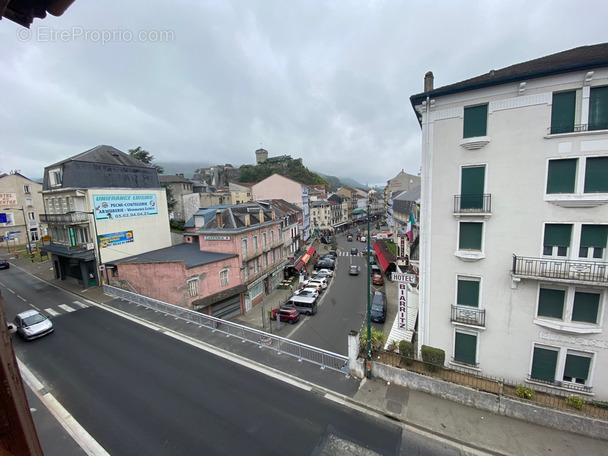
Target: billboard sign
112 239
115 207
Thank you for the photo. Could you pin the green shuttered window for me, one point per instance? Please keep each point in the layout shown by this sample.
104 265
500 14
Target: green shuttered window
577 368
585 307
598 108
557 235
544 363
465 349
562 176
562 112
551 303
470 235
472 187
468 293
596 175
475 121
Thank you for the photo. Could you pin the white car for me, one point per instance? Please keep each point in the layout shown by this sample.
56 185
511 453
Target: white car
322 283
326 272
308 291
31 324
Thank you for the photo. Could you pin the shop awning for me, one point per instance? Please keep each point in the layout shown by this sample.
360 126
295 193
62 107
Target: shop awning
358 211
299 265
381 258
311 251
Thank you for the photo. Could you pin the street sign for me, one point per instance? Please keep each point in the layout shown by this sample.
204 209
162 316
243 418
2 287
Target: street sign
410 278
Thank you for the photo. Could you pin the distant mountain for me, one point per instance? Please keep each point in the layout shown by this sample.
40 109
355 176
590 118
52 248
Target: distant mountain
185 168
337 182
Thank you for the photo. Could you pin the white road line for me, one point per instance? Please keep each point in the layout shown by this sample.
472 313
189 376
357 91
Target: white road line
52 312
66 307
80 304
22 298
10 290
72 427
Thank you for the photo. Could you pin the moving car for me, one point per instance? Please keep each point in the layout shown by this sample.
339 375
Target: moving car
291 316
349 237
353 269
4 264
378 309
354 251
31 324
309 291
377 279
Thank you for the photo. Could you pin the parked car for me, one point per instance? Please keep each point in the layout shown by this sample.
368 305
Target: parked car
4 264
353 269
332 253
363 239
378 307
354 251
377 279
308 291
373 269
326 272
31 324
317 282
325 264
291 316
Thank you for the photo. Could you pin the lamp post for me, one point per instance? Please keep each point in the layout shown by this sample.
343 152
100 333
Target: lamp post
368 364
98 256
28 248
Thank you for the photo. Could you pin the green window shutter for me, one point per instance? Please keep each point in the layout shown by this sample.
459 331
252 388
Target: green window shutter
594 236
586 306
562 112
468 293
562 176
598 108
470 235
472 187
465 348
557 235
551 303
544 363
577 367
596 175
475 121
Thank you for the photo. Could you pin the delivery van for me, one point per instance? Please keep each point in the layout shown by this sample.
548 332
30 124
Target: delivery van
306 305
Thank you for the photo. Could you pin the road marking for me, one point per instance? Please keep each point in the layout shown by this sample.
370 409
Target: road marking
52 312
80 304
66 308
22 298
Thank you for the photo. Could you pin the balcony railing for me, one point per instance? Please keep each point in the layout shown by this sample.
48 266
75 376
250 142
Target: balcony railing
577 128
74 217
473 204
560 269
469 315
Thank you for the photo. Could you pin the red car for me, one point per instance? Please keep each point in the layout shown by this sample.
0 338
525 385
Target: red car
377 279
291 316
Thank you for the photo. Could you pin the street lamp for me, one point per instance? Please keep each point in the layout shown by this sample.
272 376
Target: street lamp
368 367
98 258
28 247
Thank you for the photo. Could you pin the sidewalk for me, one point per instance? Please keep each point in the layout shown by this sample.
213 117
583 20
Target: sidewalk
471 430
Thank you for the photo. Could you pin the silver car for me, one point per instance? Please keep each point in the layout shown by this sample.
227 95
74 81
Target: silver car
31 324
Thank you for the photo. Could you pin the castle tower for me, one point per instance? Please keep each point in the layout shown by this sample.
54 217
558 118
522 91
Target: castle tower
261 155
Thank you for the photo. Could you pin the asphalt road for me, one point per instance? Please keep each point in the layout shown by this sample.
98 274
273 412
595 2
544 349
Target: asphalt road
137 391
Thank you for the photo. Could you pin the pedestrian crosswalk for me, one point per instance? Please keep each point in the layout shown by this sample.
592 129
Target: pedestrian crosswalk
61 309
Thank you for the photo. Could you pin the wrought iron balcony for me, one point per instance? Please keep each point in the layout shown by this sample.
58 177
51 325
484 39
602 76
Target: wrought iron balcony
473 204
561 269
71 218
577 128
469 315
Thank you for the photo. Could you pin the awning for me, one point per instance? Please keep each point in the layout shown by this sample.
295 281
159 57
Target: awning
358 211
311 251
299 265
380 256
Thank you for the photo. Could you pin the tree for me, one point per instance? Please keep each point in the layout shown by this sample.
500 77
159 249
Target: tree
145 157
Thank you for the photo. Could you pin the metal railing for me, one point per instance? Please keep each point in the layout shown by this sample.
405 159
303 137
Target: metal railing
469 315
302 352
553 268
473 204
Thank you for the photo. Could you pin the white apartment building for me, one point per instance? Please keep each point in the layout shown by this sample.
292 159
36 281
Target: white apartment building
514 222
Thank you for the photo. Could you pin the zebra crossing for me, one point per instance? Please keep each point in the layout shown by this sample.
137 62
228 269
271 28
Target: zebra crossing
62 309
348 254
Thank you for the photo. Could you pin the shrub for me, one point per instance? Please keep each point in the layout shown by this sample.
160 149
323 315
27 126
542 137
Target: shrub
600 404
377 338
406 350
434 358
524 392
575 401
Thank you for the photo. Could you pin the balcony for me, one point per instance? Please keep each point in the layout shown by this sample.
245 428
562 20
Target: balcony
577 128
561 270
469 315
251 254
65 219
473 205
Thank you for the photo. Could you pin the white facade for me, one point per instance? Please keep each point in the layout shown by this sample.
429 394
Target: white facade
487 262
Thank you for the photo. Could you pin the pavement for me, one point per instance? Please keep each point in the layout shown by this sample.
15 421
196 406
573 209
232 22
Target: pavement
466 430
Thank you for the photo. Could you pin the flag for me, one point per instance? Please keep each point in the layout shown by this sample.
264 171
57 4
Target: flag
410 224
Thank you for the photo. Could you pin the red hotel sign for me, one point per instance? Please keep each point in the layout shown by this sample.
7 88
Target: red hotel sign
402 306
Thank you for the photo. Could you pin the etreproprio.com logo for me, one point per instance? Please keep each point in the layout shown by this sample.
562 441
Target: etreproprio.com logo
52 35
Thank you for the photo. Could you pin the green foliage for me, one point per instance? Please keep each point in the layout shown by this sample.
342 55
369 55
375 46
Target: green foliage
177 225
378 338
524 392
406 350
600 404
575 401
287 167
145 157
434 358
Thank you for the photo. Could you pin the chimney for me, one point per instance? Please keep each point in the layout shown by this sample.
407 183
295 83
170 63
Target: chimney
429 80
273 216
261 217
218 218
247 220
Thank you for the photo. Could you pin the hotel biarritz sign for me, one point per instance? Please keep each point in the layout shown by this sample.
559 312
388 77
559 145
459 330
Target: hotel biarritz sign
114 207
402 305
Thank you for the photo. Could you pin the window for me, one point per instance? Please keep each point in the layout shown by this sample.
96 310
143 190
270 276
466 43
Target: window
572 305
26 188
475 121
544 364
596 175
552 363
272 236
585 307
470 236
472 187
551 303
576 369
557 239
562 176
55 177
563 112
224 277
468 292
255 242
465 348
264 239
244 246
193 287
593 241
598 108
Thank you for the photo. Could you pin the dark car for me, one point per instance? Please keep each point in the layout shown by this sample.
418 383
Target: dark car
4 264
291 316
331 254
354 251
325 264
378 308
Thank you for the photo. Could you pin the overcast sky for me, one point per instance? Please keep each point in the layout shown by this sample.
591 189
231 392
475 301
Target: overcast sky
207 82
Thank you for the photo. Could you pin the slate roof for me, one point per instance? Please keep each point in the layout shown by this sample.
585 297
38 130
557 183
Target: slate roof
107 155
190 253
173 179
577 59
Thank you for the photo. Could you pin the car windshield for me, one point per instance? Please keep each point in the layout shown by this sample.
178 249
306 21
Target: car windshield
33 319
377 308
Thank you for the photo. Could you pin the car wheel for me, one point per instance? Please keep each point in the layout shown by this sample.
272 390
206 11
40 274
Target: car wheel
308 313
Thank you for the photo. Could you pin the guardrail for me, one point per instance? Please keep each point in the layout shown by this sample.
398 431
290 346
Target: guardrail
302 352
